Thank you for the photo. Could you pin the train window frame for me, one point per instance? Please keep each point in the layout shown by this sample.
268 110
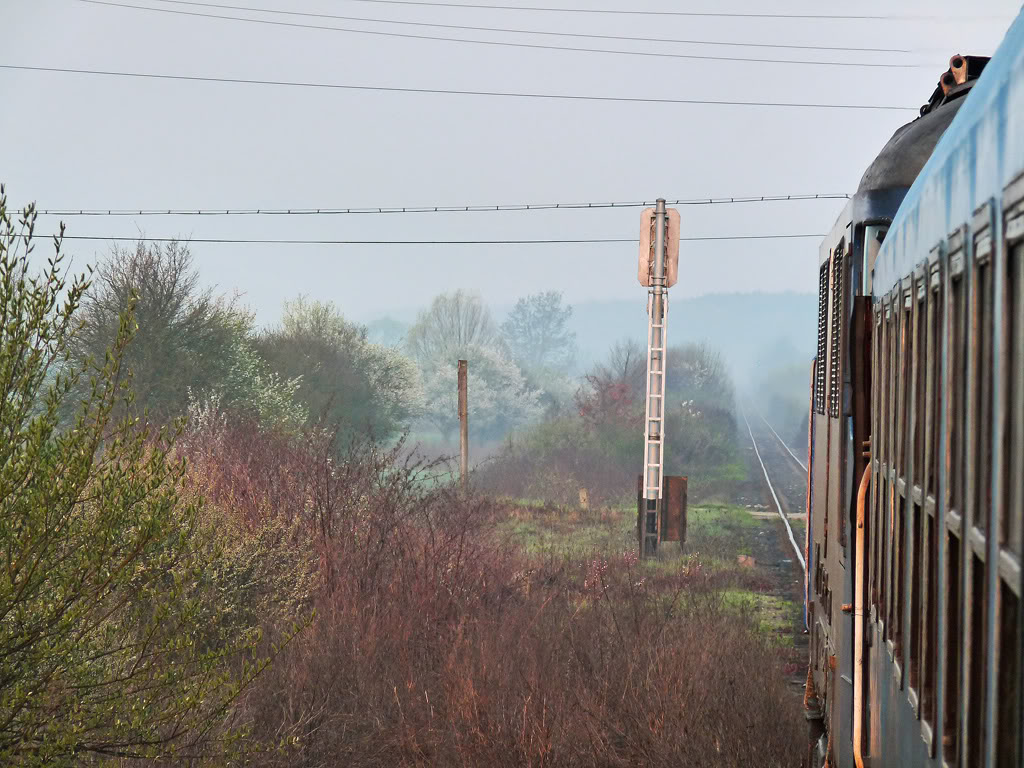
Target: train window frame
931 528
1009 501
884 498
1011 528
877 345
918 383
974 692
934 392
906 307
980 388
893 319
887 476
956 373
904 494
902 311
954 555
913 492
979 508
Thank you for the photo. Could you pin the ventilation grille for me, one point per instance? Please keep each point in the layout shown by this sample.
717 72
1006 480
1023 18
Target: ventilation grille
835 382
819 368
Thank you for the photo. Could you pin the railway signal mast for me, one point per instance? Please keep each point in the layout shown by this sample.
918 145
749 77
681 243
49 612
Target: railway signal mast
658 271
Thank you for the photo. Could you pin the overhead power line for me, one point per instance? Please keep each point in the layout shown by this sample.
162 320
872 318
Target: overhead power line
506 43
424 208
632 12
453 92
729 43
290 241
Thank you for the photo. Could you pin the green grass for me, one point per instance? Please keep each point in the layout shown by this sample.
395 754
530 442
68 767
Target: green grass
774 615
717 534
716 483
721 533
565 531
713 521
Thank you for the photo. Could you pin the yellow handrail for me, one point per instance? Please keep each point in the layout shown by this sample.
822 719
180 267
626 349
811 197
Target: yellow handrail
858 622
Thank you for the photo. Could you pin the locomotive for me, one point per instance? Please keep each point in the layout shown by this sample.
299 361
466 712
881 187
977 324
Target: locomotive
915 504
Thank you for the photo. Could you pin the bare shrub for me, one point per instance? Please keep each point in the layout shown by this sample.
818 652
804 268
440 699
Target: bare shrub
435 644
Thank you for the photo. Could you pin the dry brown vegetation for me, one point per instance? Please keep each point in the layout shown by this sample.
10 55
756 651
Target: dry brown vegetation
436 641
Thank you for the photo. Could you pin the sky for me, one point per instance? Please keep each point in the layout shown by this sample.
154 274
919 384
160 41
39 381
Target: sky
87 141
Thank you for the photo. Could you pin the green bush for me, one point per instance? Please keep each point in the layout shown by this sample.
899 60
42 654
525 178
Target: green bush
106 649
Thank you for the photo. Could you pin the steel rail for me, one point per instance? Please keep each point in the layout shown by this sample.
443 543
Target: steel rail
784 445
778 504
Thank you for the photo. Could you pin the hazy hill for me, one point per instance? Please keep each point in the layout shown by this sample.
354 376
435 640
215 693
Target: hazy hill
753 330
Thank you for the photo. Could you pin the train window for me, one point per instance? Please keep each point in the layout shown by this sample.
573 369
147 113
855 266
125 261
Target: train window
878 449
892 318
957 361
1008 706
873 237
819 369
953 615
881 446
913 491
899 536
890 494
916 625
979 427
1013 462
877 344
936 311
953 650
929 654
981 383
929 662
899 539
1011 506
903 416
919 379
976 655
835 380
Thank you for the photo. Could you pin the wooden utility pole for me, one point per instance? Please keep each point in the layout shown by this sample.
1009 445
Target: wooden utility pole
463 425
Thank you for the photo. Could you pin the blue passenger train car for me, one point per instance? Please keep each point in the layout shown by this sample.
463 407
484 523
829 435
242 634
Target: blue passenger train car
916 503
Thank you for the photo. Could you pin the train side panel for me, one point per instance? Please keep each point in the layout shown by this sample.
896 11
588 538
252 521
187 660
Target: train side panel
938 678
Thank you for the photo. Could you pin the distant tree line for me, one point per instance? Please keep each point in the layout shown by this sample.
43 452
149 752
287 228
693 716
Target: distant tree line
193 349
196 353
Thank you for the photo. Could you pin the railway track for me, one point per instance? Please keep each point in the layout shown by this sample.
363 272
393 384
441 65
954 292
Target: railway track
784 473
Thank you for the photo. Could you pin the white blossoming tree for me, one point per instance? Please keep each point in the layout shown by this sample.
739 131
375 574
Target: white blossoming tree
499 397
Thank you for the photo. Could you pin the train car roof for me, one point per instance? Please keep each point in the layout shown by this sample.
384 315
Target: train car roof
977 156
887 180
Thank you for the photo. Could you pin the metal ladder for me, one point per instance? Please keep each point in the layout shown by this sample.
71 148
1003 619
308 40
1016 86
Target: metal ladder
654 432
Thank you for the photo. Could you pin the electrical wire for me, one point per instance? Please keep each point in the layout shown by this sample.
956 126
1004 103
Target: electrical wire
423 209
729 43
448 91
506 43
631 12
290 241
